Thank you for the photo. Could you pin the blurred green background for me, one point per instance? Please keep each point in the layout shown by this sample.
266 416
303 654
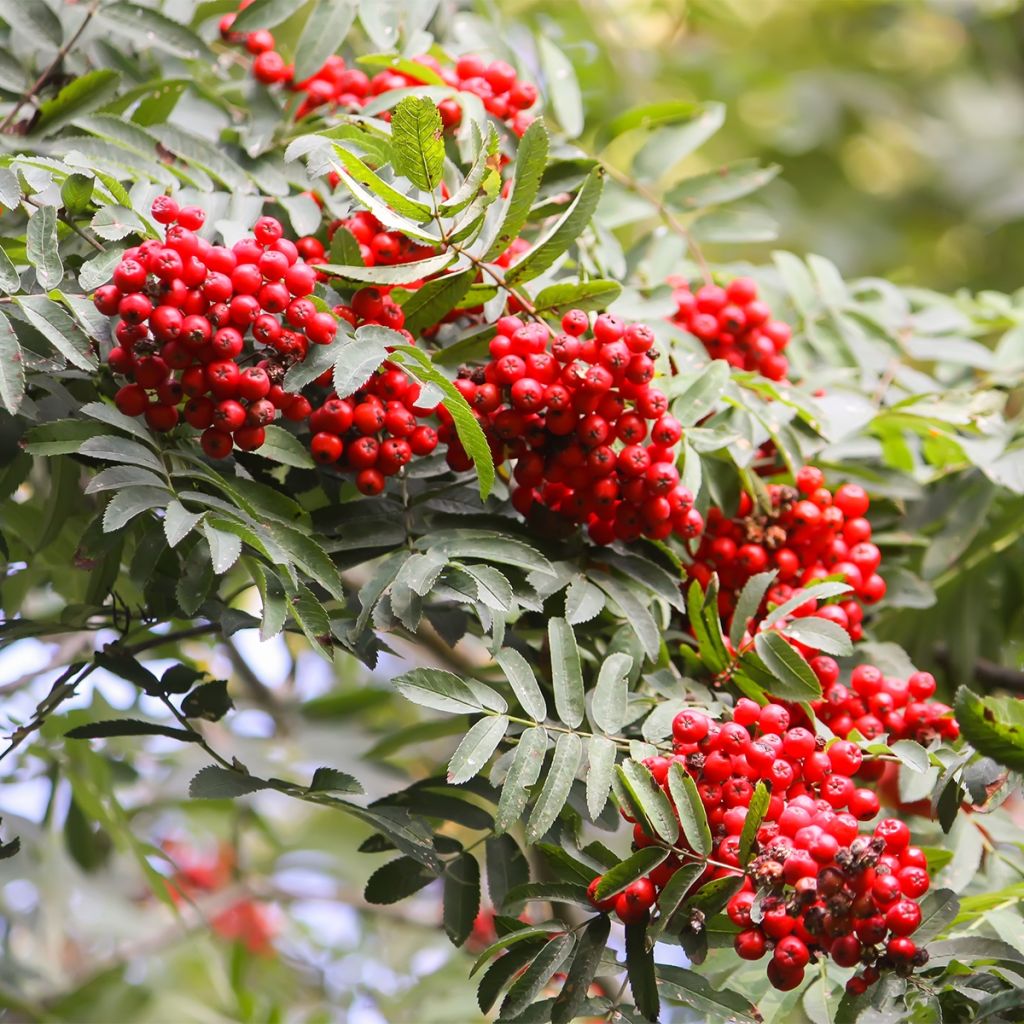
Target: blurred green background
898 124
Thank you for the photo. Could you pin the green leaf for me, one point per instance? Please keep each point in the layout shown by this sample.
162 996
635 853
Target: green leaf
429 303
209 701
523 682
76 192
939 908
399 273
179 522
583 601
193 149
114 223
692 816
467 426
265 14
224 548
684 986
41 248
50 319
531 159
667 146
476 747
655 808
557 299
731 227
640 970
503 970
507 867
795 678
510 939
285 448
132 501
527 763
10 279
638 864
756 811
529 984
566 672
417 137
671 897
699 398
443 691
821 591
388 203
611 693
712 898
564 764
562 87
80 96
994 726
461 897
323 34
12 368
636 613
722 185
600 772
561 235
822 634
180 679
581 973
747 604
126 666
216 783
147 27
129 727
35 20
396 880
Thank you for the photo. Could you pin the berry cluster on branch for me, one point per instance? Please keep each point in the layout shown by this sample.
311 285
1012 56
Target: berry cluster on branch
809 534
815 886
336 85
733 324
591 437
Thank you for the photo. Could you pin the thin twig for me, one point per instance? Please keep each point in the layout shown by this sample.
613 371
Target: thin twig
666 214
63 217
54 64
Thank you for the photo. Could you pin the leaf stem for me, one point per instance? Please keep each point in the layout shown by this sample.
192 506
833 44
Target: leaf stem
45 76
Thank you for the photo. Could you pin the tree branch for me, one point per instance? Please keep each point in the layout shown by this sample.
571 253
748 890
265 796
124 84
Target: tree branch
5 125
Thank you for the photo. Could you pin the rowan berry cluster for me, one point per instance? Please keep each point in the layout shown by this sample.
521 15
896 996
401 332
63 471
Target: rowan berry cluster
376 431
591 438
191 315
810 534
377 245
874 704
815 885
253 923
734 325
496 83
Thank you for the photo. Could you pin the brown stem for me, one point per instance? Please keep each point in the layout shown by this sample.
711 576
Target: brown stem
54 64
666 214
62 216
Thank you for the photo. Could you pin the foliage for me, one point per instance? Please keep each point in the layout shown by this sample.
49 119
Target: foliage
469 698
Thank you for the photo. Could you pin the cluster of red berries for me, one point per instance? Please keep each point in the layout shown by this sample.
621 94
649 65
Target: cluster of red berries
574 411
874 704
374 432
188 310
815 886
810 534
254 924
734 325
504 95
